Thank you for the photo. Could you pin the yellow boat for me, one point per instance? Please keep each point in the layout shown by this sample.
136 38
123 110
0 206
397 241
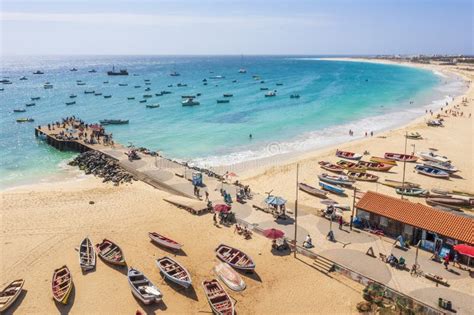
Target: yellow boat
62 284
383 160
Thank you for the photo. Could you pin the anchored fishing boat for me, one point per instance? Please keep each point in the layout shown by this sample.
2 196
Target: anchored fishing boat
190 102
153 106
71 103
223 101
174 271
114 122
142 288
218 298
62 284
431 171
348 155
312 190
87 256
22 110
235 258
120 72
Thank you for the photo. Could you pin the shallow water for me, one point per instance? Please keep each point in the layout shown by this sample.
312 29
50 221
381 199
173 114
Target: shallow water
334 96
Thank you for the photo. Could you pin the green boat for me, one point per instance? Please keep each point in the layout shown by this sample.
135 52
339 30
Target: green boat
412 191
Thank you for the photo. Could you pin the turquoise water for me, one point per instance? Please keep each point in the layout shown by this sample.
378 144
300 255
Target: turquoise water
334 97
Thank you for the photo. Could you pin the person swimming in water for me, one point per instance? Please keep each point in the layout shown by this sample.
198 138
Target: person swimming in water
250 136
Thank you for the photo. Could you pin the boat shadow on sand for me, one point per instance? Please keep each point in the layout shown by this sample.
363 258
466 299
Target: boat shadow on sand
189 292
122 269
152 308
11 310
251 275
66 308
179 252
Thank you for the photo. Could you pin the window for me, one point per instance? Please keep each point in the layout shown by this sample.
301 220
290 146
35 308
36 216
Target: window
430 236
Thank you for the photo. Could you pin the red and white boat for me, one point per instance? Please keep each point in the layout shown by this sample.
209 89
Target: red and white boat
328 166
218 298
164 241
400 157
348 155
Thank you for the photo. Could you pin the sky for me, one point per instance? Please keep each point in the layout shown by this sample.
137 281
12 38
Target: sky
231 27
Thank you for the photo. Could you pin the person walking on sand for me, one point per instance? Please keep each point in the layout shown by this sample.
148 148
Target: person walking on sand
214 218
341 221
207 195
446 261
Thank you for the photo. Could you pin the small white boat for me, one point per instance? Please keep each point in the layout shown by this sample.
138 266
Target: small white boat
431 156
143 288
174 271
164 241
229 276
447 167
87 257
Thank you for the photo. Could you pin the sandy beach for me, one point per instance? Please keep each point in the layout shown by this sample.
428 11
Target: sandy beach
43 224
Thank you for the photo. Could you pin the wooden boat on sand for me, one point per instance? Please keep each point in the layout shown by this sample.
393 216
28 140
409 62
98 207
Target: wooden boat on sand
431 156
218 299
411 191
312 190
447 167
414 136
375 166
348 155
111 253
235 258
400 157
328 166
351 166
164 241
458 202
336 179
431 171
142 288
230 277
174 272
363 176
10 293
399 184
383 160
87 258
334 189
62 284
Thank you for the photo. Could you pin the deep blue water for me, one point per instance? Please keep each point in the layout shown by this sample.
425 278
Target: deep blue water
333 97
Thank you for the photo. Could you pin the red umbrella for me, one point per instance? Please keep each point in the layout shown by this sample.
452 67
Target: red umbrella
465 249
222 208
273 233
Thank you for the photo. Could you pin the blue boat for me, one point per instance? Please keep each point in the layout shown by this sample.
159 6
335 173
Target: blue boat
431 171
331 188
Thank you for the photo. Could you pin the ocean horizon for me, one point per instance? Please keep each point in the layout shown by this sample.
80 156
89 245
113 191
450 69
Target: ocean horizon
334 96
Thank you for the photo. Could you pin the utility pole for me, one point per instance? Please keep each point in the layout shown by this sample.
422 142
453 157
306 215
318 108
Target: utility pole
296 206
353 207
404 165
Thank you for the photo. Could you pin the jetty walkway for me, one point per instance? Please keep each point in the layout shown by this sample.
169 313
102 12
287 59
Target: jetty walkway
348 250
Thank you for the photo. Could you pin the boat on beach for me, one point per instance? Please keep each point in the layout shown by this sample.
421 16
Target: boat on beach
411 191
331 188
235 258
446 166
10 293
111 253
218 299
164 241
400 157
328 166
230 277
431 156
348 155
336 179
398 184
142 288
431 171
383 160
312 190
375 166
174 271
414 136
457 202
351 166
87 257
62 284
363 176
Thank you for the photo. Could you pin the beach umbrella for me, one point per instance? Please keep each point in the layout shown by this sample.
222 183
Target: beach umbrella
275 201
273 233
222 208
465 249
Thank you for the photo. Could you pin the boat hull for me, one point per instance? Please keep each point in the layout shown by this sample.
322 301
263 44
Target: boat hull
230 277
